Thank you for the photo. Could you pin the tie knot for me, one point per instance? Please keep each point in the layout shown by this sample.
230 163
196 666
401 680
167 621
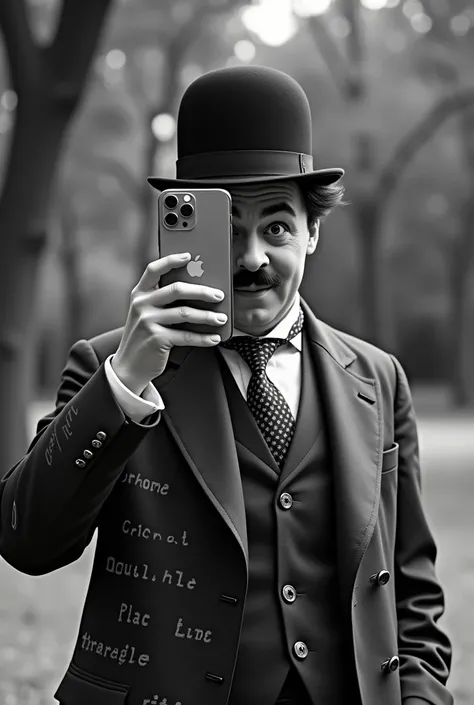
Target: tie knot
257 351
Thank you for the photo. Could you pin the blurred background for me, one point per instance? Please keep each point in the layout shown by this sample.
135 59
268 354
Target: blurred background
88 100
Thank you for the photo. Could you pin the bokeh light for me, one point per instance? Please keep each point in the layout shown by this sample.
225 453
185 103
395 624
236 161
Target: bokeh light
245 50
460 25
272 21
412 7
308 8
163 127
374 4
421 23
115 59
9 100
339 27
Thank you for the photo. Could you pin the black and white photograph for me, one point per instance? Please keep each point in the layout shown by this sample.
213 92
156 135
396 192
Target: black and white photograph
236 352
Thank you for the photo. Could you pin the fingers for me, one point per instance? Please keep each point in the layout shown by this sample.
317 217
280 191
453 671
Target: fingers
155 269
183 290
184 337
185 314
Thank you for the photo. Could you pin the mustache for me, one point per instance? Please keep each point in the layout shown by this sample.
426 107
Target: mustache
245 278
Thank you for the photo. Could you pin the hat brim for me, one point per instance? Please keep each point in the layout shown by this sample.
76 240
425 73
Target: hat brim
323 177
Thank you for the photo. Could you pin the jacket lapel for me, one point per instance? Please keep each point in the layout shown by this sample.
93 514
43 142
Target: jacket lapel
353 414
197 414
198 417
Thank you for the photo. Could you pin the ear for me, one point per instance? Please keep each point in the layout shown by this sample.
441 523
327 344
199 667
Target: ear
313 238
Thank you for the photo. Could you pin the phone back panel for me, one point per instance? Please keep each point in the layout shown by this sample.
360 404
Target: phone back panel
209 241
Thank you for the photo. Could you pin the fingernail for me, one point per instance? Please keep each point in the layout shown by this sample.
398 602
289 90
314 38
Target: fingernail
219 295
185 256
216 338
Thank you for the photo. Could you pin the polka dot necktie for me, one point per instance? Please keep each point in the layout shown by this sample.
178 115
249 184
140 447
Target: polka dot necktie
267 403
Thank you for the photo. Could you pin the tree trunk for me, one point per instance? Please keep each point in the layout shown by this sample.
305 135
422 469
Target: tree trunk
462 267
49 82
23 223
69 255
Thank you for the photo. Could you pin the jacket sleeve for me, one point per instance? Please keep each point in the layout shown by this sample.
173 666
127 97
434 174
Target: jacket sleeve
51 499
424 649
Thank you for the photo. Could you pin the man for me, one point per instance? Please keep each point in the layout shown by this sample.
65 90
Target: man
261 537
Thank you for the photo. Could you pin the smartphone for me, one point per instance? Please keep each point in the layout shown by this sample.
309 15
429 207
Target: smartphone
199 221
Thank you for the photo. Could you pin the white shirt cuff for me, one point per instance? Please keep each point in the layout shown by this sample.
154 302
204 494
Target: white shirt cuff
135 407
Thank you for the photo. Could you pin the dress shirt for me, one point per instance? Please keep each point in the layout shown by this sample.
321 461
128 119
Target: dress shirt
283 369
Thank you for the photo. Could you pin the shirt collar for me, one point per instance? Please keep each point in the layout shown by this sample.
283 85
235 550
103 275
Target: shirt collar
283 328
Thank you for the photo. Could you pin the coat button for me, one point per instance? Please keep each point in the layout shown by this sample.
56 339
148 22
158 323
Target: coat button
300 649
286 500
101 436
289 593
96 444
81 463
380 578
87 454
391 664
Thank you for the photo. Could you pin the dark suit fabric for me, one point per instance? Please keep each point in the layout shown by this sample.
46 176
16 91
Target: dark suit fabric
168 616
294 546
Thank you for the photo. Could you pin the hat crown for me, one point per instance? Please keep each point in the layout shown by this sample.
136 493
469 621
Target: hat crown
244 108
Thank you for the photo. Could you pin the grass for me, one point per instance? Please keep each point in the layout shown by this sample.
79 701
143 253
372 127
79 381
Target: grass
39 617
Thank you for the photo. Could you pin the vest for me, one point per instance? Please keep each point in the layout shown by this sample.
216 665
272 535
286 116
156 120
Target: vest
292 546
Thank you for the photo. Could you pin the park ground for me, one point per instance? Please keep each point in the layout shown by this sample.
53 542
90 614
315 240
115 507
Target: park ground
39 616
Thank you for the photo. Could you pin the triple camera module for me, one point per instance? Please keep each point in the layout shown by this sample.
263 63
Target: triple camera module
181 211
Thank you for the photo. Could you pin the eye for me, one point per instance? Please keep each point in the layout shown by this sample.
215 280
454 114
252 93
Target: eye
277 229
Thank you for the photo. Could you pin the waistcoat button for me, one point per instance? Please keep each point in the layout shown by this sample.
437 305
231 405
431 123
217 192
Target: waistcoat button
81 463
300 649
391 664
101 436
380 578
289 593
96 444
286 500
88 454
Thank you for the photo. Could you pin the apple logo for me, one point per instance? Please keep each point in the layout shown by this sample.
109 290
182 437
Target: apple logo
195 268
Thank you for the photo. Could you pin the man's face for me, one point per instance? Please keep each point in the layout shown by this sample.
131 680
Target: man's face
270 243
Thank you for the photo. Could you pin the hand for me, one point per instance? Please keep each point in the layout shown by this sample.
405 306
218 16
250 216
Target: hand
147 340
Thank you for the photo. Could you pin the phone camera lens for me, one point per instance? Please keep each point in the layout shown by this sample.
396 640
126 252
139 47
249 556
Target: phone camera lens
171 219
186 210
171 202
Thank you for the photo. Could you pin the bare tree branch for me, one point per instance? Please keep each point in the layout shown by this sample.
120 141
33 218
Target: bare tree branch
411 144
23 54
77 35
329 52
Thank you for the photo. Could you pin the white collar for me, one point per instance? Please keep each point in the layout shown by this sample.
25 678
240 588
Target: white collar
283 328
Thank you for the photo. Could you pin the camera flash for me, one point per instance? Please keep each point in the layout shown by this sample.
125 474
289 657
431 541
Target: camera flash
186 198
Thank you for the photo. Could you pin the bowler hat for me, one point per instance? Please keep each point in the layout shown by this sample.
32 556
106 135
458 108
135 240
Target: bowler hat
246 124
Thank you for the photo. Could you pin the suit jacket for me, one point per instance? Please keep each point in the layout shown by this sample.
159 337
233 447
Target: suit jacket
168 503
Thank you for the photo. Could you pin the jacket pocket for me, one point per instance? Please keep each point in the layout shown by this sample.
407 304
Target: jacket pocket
390 458
79 687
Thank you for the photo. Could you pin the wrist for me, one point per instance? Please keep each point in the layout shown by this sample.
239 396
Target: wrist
132 383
